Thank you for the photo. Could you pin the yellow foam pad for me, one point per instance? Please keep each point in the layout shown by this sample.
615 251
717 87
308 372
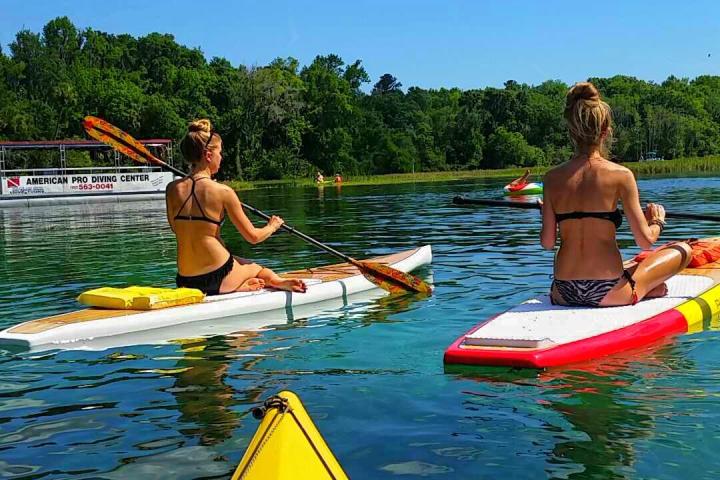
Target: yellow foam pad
140 298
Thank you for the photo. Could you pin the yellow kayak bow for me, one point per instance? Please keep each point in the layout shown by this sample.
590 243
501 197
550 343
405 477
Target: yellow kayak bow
287 445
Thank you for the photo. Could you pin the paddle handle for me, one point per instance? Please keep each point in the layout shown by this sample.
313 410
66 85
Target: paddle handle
528 205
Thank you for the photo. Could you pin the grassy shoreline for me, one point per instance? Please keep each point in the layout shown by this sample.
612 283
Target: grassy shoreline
679 166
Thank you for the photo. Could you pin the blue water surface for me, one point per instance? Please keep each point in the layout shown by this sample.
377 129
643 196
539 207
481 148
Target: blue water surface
369 372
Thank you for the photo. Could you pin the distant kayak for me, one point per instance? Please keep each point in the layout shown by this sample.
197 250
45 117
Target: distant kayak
534 188
287 445
537 334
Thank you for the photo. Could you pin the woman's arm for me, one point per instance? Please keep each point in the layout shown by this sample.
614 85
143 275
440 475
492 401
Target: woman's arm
243 224
645 235
548 233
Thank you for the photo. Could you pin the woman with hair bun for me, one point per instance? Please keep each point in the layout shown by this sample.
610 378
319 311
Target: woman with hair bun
580 200
196 209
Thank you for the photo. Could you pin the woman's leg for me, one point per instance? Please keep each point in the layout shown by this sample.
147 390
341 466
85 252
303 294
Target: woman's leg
660 266
273 280
650 275
242 278
657 292
250 277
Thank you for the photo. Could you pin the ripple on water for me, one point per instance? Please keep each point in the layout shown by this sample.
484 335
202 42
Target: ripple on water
370 373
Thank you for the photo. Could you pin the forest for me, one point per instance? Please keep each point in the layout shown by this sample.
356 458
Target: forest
285 120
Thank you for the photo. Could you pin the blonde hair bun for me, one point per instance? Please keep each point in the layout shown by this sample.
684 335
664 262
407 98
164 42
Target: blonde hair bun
201 125
583 91
588 118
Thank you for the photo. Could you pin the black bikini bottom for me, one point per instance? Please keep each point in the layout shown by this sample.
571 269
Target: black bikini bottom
209 283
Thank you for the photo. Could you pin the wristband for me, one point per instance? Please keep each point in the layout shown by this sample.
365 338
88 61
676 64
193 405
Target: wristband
658 222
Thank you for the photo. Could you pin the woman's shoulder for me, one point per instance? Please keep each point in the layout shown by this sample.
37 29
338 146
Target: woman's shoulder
610 165
172 186
223 187
619 171
555 172
224 192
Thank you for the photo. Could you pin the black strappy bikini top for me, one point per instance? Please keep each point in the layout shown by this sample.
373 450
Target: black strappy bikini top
614 216
203 217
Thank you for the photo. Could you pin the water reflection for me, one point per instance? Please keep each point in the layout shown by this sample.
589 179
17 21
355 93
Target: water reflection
599 402
203 397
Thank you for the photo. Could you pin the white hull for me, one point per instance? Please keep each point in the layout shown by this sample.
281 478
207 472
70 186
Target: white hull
213 308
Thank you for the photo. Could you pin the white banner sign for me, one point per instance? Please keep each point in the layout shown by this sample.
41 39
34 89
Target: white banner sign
85 183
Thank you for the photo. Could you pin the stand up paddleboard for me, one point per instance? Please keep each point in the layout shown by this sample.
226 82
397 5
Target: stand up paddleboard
537 334
324 283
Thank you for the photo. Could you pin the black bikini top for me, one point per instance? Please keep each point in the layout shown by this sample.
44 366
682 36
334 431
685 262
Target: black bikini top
203 217
614 216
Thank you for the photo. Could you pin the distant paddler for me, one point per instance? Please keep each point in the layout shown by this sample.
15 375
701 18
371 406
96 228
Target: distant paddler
319 178
521 186
196 209
519 183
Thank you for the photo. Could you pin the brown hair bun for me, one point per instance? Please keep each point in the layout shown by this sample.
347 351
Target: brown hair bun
201 125
195 141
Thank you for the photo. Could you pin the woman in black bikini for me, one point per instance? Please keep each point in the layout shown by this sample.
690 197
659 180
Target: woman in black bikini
196 208
580 200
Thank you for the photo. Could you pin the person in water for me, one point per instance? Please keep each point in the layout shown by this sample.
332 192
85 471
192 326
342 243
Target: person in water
520 182
319 178
580 200
196 209
338 178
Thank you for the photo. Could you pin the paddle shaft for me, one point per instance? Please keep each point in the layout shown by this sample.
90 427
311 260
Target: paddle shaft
528 205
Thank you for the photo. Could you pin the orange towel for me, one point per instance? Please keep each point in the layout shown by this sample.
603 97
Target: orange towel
703 252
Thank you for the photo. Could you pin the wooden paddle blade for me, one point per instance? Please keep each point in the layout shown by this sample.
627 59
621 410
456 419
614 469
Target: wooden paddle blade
109 134
392 279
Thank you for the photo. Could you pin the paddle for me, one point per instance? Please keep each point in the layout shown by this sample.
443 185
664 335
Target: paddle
384 276
528 205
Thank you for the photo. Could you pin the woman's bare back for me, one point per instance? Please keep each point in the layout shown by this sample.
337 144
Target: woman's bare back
199 247
588 245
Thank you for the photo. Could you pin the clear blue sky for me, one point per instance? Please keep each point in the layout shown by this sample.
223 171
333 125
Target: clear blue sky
430 44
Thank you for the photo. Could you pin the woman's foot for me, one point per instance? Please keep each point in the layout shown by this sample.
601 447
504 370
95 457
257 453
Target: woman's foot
659 291
289 284
251 285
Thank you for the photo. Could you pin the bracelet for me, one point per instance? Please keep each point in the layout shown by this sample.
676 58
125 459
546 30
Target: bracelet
658 222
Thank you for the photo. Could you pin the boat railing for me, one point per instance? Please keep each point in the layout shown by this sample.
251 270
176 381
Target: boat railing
76 170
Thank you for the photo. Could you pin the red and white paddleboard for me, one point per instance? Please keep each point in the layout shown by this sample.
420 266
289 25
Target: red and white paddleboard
537 334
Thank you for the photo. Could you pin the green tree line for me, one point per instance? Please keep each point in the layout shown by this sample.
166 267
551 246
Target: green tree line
288 120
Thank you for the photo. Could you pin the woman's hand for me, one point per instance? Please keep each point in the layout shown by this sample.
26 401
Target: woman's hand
276 222
654 211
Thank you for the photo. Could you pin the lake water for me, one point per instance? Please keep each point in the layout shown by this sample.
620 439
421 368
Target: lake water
370 373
